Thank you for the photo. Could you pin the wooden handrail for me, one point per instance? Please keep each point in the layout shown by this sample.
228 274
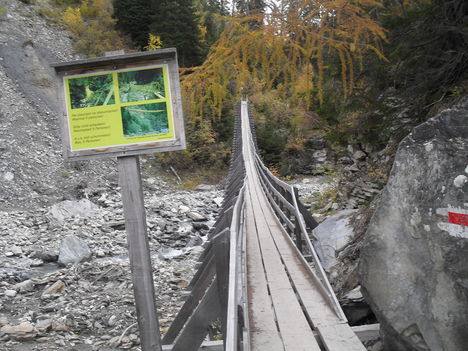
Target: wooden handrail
295 210
231 337
221 276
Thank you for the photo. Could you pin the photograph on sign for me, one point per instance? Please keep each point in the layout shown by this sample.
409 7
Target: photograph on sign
141 85
145 119
119 108
91 91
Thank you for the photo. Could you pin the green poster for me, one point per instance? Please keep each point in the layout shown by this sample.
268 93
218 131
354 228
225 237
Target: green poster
119 108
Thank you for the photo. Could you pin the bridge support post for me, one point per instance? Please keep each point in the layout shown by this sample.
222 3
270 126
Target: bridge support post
138 247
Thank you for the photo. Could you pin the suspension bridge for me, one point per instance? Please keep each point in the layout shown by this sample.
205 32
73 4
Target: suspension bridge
260 283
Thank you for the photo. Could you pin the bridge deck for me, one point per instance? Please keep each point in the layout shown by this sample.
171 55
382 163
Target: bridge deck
286 310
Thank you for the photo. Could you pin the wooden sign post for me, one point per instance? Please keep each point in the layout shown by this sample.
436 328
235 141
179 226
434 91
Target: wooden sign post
139 253
123 106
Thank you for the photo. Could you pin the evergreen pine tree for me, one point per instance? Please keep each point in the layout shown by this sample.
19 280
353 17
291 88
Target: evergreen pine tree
250 7
176 23
133 18
211 24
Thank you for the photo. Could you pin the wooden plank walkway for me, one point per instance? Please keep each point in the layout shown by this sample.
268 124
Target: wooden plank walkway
254 281
285 307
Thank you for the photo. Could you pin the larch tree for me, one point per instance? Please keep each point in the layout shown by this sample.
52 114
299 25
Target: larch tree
249 7
288 52
212 23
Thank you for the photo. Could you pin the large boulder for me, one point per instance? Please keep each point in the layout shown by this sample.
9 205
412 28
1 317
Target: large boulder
333 234
414 263
63 211
73 250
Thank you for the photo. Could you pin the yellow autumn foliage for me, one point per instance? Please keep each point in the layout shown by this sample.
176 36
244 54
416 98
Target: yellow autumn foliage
154 42
288 52
92 27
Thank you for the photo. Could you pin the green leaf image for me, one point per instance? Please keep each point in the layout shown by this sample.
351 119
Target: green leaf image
142 85
145 119
91 91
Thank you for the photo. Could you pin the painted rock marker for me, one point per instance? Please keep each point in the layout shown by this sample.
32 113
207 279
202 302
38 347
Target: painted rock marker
458 218
454 221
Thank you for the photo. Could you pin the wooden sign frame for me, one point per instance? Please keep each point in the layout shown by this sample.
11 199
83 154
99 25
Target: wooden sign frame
171 138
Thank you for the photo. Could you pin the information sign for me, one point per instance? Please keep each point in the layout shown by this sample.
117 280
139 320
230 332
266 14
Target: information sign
121 105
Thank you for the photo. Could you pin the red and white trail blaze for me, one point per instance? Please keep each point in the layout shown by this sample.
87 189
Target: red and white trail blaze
454 221
458 218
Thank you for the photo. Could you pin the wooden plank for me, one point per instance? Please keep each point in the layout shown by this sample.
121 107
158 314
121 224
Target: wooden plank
335 333
138 247
207 246
206 346
176 97
244 302
198 291
223 222
298 236
295 331
168 53
208 254
339 337
221 254
264 334
62 115
269 187
197 327
232 323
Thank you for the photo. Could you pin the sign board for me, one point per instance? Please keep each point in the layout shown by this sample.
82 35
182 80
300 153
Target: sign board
120 105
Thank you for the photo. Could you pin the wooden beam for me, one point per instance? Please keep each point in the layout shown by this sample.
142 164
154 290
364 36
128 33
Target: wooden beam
197 327
192 301
206 346
268 186
221 254
208 254
118 59
308 218
232 323
138 247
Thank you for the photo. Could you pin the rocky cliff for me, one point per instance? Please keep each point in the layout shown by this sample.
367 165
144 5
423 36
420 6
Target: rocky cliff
32 170
414 264
87 306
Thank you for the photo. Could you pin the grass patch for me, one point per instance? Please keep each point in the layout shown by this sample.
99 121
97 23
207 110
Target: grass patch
186 179
52 16
322 199
191 179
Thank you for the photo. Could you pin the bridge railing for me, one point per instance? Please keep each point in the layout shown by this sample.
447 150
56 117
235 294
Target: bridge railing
296 220
217 298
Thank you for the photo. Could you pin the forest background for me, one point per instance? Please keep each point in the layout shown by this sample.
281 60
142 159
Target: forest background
324 68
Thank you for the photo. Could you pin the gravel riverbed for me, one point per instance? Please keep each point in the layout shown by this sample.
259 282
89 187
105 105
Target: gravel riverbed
89 305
